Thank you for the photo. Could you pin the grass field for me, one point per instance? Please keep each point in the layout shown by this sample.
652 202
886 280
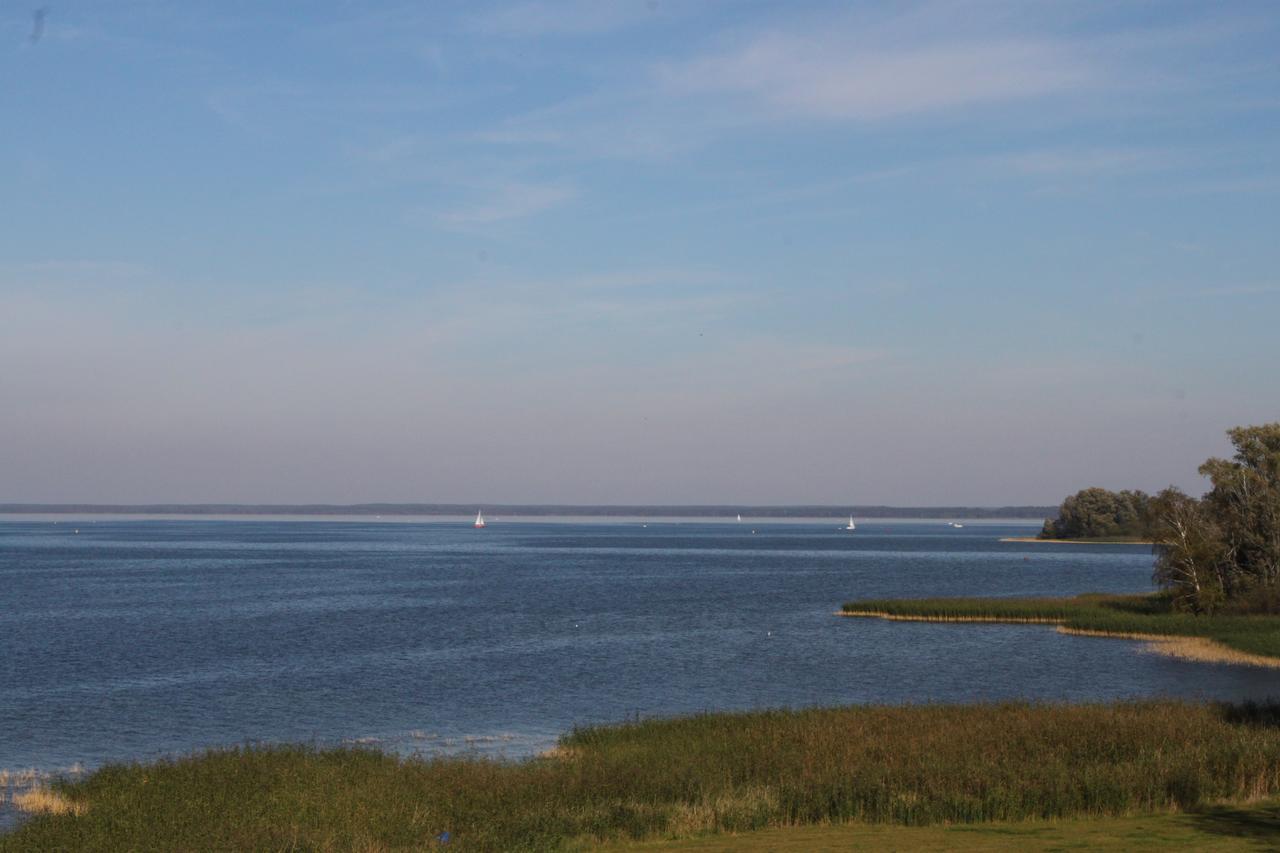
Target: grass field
666 780
1219 830
1120 615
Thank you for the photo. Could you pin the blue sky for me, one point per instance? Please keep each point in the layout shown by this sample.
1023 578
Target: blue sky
906 253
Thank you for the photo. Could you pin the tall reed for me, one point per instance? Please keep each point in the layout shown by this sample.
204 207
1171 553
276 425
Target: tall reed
666 778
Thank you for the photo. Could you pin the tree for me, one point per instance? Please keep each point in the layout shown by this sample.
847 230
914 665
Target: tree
1191 557
1224 550
1096 512
1245 503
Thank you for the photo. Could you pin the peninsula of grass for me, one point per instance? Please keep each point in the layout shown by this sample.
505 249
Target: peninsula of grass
1083 540
1244 639
694 777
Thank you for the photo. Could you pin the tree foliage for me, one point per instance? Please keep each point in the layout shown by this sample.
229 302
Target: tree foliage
1223 551
1095 512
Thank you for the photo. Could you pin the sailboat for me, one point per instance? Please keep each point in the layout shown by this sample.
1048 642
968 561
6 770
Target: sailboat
479 519
739 516
851 525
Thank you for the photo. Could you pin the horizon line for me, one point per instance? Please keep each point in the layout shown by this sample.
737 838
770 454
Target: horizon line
454 508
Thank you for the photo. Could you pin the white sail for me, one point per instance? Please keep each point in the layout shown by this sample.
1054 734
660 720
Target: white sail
480 519
851 526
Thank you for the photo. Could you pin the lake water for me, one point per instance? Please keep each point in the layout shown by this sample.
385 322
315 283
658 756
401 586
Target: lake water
132 639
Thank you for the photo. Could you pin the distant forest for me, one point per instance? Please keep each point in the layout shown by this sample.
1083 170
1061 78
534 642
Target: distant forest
651 511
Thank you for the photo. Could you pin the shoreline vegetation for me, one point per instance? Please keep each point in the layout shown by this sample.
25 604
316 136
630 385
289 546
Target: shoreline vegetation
824 772
1248 640
1098 540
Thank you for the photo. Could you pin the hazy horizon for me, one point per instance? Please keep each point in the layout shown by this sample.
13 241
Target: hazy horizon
972 253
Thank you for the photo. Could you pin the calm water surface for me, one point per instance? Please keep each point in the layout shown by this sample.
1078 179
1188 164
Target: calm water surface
132 639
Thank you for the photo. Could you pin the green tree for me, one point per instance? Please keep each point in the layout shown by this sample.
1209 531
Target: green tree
1245 503
1224 550
1096 512
1191 557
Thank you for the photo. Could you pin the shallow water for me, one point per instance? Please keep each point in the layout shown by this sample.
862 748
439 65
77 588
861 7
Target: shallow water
132 639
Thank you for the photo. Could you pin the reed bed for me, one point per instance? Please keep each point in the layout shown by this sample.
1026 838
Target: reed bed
42 800
912 765
1140 616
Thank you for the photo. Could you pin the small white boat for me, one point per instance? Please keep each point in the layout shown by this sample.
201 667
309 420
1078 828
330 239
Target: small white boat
956 524
739 516
851 525
480 519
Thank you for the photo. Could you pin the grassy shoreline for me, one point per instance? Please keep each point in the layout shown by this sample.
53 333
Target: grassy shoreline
691 777
1223 828
1097 540
1246 640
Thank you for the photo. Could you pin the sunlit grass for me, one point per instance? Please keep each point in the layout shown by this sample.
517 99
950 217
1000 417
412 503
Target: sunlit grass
687 777
42 800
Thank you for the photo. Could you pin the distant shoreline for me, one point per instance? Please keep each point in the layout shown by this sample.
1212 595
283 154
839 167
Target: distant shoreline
535 510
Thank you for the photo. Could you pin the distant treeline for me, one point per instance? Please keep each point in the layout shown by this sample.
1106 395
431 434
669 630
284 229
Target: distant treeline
1097 514
651 511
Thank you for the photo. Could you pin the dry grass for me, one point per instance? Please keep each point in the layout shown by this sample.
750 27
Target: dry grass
559 752
1206 651
937 617
41 800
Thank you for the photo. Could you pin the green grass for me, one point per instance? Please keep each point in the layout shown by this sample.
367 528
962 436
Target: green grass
690 777
1221 829
1088 540
1117 614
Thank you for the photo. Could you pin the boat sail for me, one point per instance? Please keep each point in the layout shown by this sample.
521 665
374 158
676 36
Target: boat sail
851 525
479 519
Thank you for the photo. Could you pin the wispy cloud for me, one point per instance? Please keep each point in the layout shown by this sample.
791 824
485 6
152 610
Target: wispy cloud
510 201
843 75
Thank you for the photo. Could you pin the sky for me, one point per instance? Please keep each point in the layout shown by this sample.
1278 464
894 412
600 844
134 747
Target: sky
981 253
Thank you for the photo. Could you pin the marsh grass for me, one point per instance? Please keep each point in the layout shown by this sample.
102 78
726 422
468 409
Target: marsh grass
1140 616
1089 540
42 800
685 777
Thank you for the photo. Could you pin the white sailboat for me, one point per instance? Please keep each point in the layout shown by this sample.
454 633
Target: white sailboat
480 519
851 525
739 516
